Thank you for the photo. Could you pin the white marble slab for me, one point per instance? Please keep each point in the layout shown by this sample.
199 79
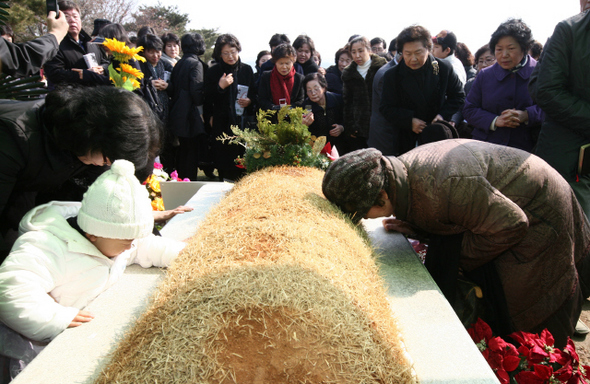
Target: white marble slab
440 347
184 226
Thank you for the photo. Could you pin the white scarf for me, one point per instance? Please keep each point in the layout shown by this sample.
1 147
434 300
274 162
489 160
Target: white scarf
363 69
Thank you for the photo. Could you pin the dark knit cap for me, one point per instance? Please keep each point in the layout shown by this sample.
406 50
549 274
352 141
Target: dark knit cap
98 24
353 182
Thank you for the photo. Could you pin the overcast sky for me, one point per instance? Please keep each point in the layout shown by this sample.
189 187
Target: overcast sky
330 23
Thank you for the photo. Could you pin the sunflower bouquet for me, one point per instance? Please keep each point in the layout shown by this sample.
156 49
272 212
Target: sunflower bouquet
125 76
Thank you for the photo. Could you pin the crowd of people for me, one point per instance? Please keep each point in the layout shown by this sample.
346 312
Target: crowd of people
442 139
391 97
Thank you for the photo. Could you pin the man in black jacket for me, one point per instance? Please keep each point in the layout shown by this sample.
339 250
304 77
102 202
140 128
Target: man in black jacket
69 65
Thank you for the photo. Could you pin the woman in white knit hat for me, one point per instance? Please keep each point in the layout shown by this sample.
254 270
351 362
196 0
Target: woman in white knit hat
70 252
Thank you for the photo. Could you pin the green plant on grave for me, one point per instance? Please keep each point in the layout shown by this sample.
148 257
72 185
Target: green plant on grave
284 142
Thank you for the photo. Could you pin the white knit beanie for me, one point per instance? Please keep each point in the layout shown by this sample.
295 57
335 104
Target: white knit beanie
116 205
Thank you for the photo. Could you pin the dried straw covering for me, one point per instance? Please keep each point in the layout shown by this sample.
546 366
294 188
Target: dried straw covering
277 287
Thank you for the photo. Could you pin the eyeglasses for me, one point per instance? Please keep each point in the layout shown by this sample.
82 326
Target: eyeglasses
486 60
229 54
72 16
315 89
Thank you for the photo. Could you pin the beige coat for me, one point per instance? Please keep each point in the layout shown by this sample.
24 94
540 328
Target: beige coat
513 208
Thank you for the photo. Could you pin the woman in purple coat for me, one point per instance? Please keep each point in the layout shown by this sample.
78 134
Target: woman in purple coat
499 105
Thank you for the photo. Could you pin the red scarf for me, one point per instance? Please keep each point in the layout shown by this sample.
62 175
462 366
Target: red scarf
281 86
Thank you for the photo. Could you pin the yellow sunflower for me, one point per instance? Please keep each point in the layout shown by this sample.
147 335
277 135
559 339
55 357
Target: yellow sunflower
135 83
121 52
128 69
134 53
114 45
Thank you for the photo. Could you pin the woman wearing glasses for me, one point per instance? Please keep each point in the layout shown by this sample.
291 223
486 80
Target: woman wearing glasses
228 100
498 104
326 116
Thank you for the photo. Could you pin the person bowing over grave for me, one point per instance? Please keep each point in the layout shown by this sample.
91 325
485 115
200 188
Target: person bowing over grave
500 217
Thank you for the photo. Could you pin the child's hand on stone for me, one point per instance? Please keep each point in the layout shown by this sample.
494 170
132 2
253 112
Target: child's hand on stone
81 317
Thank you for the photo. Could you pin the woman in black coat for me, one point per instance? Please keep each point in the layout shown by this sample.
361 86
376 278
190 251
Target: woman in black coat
326 107
357 92
419 90
305 48
229 89
186 107
334 72
282 85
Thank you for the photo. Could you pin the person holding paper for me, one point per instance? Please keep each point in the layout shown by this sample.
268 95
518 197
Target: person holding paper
70 65
228 100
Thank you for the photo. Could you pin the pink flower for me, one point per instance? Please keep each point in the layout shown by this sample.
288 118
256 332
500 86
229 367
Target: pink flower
174 175
158 165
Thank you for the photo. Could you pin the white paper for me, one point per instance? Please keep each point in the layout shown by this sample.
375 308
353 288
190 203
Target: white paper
242 92
90 60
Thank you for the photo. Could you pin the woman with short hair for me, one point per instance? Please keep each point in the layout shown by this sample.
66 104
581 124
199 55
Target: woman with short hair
229 93
420 90
334 72
357 92
282 85
171 52
499 105
305 49
326 116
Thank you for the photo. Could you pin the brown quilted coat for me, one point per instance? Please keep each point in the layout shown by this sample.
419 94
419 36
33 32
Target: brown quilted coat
513 208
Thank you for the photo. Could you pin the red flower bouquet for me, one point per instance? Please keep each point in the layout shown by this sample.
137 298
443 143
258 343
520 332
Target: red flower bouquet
535 361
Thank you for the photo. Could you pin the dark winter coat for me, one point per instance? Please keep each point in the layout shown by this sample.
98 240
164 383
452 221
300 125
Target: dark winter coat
334 79
323 119
433 89
382 134
357 94
513 209
495 90
265 95
306 68
71 55
221 105
562 90
155 73
186 91
19 60
32 160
